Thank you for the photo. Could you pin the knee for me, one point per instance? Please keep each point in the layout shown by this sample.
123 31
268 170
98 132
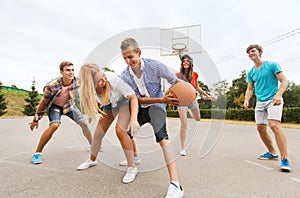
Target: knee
261 129
275 126
54 126
83 125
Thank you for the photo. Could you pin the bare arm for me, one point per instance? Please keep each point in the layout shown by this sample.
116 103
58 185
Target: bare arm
133 124
248 95
41 108
283 85
203 92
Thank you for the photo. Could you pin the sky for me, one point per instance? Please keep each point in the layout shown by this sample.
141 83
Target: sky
36 36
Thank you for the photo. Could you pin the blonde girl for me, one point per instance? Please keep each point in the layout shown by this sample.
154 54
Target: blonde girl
115 97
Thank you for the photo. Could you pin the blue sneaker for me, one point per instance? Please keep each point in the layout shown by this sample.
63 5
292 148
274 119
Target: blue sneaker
36 158
285 165
268 156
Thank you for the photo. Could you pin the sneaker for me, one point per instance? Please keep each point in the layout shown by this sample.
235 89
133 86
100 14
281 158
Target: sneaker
183 153
36 158
175 191
87 164
285 165
130 175
101 149
137 160
268 156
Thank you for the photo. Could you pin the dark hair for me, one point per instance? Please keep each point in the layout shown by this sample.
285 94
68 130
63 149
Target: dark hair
189 74
256 46
64 64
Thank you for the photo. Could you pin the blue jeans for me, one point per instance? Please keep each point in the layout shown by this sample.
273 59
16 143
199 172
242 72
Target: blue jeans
55 112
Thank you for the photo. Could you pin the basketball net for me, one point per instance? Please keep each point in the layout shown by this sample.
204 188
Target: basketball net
179 48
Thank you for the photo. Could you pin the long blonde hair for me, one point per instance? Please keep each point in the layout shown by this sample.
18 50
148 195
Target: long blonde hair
88 100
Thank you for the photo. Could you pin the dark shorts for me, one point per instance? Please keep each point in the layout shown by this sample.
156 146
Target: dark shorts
55 112
157 118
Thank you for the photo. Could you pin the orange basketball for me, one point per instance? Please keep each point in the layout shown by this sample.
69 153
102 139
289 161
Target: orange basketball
185 93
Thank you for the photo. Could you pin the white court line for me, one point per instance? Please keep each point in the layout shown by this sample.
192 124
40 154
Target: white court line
259 165
74 146
295 179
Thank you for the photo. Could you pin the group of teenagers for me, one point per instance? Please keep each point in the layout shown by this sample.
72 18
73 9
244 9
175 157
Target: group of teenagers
137 98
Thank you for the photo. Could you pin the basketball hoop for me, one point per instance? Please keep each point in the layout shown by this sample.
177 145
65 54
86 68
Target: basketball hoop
178 48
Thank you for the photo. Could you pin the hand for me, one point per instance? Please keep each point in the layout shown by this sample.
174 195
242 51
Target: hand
169 100
277 100
134 127
246 105
210 97
33 125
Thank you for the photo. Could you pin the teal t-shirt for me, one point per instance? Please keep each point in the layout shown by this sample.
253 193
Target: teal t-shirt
265 80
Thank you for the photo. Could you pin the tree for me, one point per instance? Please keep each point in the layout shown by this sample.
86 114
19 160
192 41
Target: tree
203 102
3 102
236 94
291 95
32 101
220 89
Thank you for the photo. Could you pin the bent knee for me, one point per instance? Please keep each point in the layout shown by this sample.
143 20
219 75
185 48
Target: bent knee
275 125
54 125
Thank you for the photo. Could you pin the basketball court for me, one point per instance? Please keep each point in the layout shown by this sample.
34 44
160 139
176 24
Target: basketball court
229 170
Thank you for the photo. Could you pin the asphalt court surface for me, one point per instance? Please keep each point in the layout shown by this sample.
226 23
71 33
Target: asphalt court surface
231 169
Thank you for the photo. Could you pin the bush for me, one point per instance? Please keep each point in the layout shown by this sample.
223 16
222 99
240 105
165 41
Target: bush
290 115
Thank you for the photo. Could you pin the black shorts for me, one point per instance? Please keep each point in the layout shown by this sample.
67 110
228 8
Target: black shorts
157 118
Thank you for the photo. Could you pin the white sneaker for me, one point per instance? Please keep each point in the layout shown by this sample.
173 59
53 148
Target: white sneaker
130 175
125 163
183 153
175 191
87 164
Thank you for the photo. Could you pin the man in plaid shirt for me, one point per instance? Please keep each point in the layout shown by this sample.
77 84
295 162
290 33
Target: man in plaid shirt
58 99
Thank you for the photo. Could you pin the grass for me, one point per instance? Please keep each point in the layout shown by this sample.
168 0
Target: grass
15 104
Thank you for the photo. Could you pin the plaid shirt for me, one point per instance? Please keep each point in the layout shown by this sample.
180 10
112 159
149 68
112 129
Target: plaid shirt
53 89
153 72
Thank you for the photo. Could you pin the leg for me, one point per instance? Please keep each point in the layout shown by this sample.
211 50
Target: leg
100 131
78 117
86 130
135 153
265 137
170 159
183 125
121 131
279 137
194 111
47 134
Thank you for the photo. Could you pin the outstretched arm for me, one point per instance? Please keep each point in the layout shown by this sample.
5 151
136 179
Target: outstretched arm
39 114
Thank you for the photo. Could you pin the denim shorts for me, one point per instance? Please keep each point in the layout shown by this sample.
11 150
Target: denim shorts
55 112
265 111
194 105
121 103
157 118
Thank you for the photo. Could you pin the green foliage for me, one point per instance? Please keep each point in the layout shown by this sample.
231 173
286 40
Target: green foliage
220 89
291 115
3 102
32 101
203 102
240 114
235 96
291 95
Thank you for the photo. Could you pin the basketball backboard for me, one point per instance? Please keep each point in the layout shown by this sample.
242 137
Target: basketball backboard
180 40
